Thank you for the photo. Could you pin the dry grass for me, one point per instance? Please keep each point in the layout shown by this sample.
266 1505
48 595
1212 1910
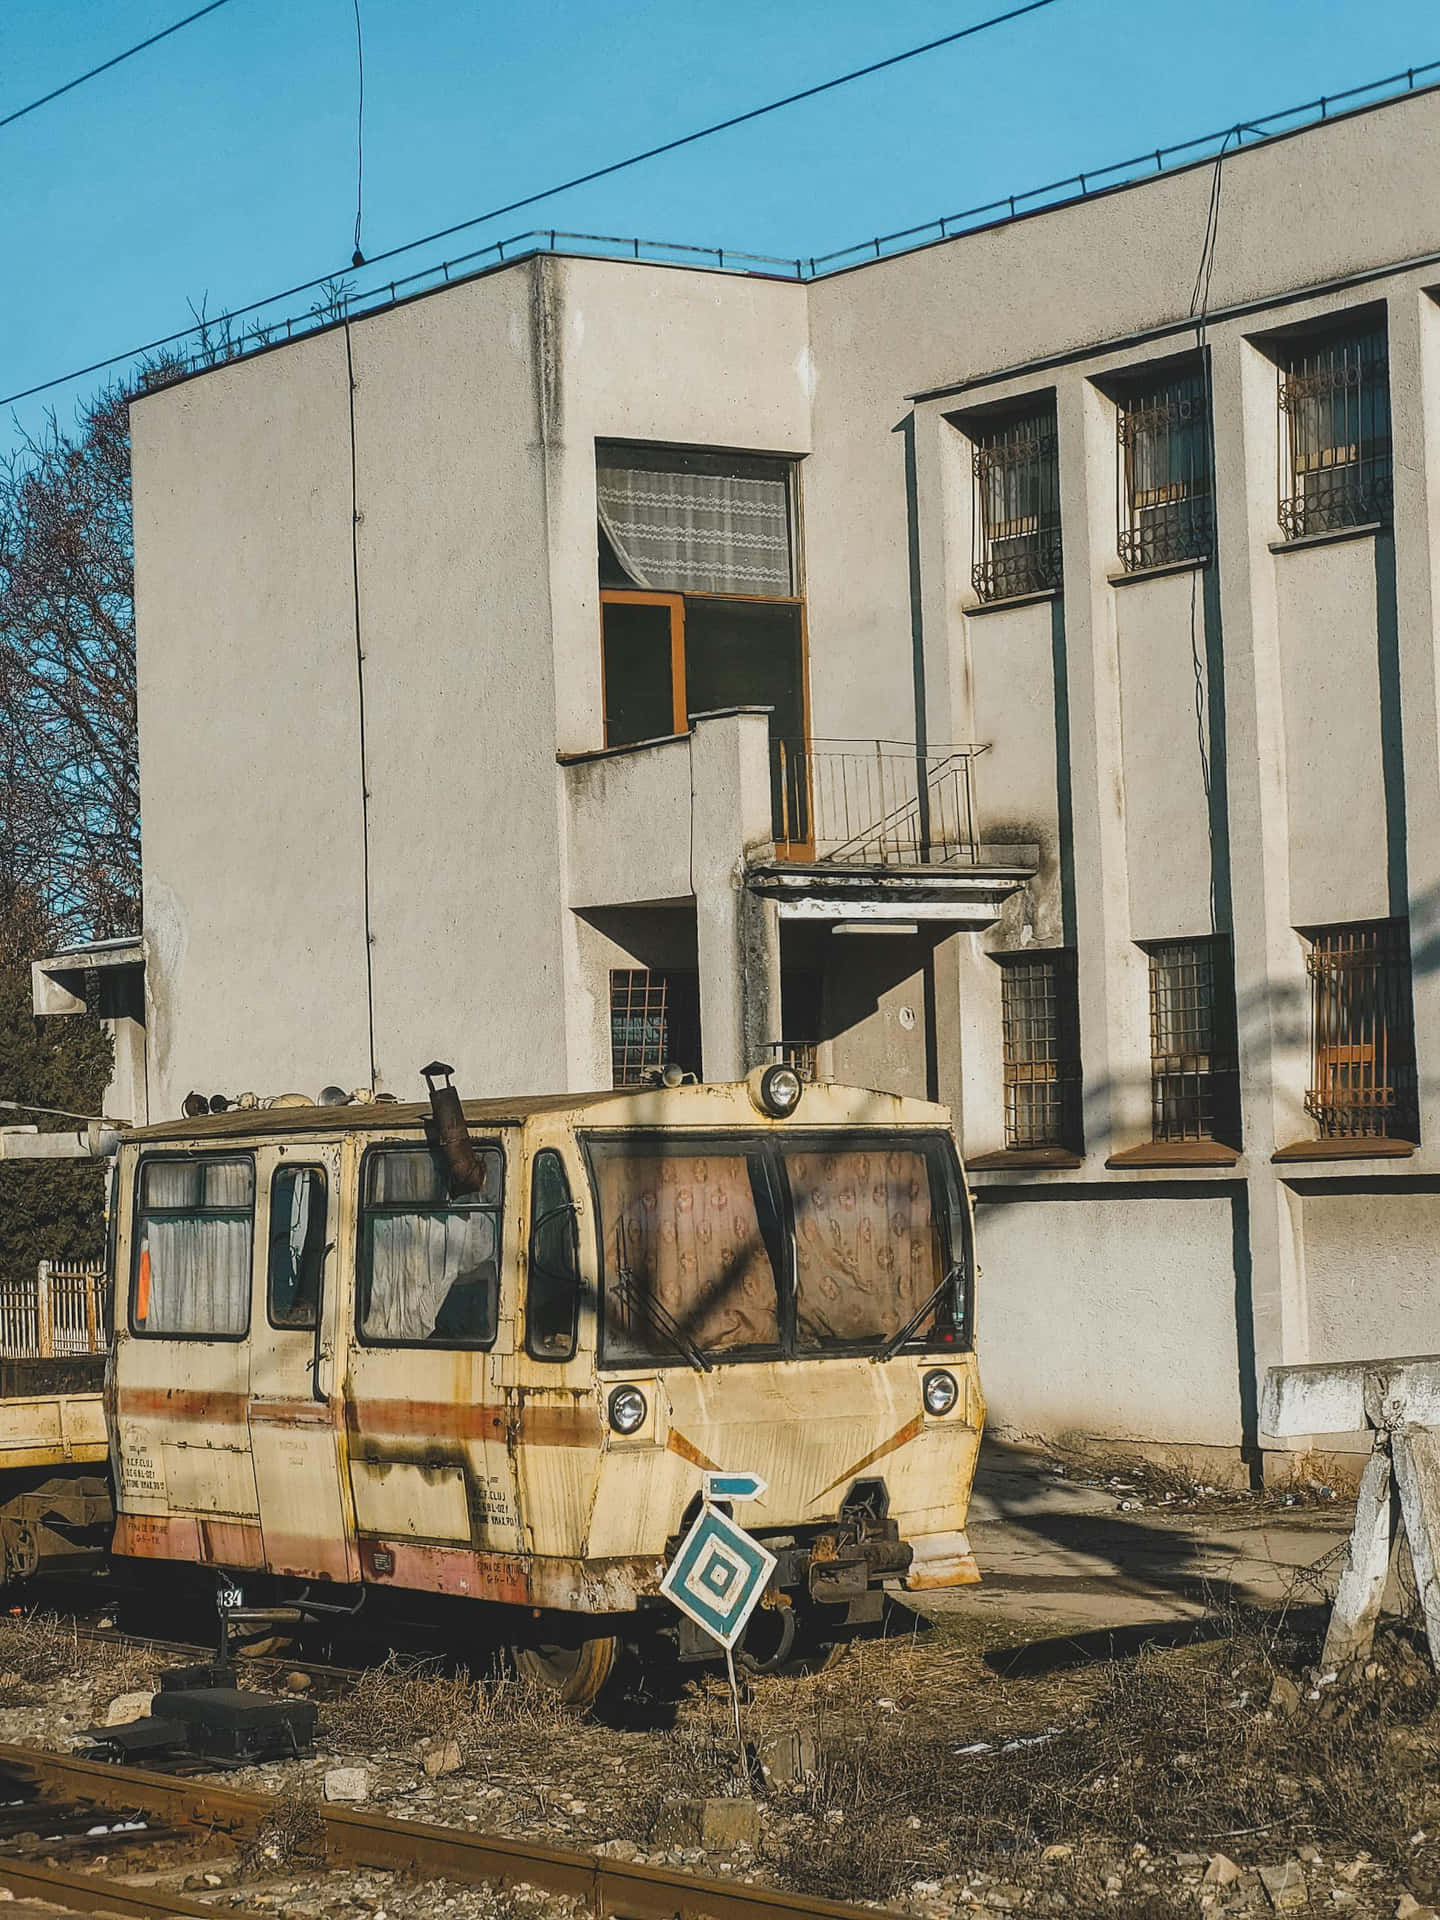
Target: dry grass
1175 1750
1155 1481
405 1700
39 1652
292 1833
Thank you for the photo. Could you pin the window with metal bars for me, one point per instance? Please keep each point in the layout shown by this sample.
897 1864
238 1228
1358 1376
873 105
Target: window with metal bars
1194 1077
1166 492
1334 430
1041 1026
654 1020
1017 507
1362 1081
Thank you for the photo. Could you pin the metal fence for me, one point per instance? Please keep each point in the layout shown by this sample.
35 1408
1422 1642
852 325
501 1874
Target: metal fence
64 1312
874 803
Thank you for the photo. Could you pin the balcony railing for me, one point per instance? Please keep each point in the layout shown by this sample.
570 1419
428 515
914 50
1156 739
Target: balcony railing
868 803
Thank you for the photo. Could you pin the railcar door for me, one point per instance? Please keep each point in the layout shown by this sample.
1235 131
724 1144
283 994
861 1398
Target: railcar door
186 1486
297 1413
431 1471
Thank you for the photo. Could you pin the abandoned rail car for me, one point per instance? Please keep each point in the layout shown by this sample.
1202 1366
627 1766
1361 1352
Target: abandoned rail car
55 1511
489 1351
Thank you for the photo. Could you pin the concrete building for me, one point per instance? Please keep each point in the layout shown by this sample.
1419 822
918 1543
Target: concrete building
1006 670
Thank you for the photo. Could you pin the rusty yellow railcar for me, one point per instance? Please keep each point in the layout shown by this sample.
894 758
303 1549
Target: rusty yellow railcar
489 1351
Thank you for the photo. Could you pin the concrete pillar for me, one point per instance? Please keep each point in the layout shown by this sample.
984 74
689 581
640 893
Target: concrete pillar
1270 990
1414 347
737 933
1114 1019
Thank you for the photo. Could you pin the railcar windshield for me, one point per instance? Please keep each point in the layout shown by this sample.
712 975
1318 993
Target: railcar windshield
764 1247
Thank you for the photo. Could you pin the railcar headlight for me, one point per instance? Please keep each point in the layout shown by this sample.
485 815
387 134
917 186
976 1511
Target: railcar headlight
627 1409
937 1389
777 1091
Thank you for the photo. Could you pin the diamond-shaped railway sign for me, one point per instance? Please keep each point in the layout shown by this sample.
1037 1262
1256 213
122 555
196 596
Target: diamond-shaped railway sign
718 1576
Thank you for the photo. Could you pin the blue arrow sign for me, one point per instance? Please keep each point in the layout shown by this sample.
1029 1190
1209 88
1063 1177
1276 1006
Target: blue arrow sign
717 1577
734 1486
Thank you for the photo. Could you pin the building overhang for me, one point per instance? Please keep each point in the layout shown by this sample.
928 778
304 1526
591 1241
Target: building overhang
57 983
965 899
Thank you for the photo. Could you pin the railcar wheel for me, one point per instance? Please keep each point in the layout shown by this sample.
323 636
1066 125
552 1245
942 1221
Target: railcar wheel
577 1675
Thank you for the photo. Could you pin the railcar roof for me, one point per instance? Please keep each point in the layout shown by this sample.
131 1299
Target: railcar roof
352 1116
712 1103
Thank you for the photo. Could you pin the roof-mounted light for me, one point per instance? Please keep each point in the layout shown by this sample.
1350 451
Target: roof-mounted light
775 1090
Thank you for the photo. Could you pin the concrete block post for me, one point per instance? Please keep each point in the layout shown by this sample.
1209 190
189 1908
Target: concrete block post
737 933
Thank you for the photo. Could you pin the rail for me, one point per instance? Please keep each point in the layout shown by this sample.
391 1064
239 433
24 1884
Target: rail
265 323
62 1313
874 803
356 1838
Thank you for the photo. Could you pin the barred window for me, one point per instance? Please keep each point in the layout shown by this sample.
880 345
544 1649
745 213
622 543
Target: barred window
1194 1080
1166 493
654 1019
1334 421
1362 1081
1017 507
1040 1020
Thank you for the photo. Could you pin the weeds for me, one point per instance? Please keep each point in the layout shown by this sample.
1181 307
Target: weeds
1171 1750
39 1652
292 1833
405 1700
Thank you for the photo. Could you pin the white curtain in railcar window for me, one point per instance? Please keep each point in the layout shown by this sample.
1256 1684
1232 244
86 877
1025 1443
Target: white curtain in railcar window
195 1234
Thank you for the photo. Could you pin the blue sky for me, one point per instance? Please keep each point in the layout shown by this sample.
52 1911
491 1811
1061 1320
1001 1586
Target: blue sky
220 165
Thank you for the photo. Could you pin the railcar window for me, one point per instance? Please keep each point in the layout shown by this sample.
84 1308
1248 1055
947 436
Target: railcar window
194 1225
687 1263
868 1245
429 1259
552 1294
297 1245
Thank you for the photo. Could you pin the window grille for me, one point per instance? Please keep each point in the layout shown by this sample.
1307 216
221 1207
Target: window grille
1194 1082
1017 508
1363 1081
1040 1022
1166 493
654 1019
1334 421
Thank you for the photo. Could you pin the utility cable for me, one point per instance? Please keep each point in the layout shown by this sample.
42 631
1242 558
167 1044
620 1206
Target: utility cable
358 258
105 65
563 186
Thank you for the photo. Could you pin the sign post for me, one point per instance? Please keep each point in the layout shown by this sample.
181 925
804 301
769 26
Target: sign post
720 1573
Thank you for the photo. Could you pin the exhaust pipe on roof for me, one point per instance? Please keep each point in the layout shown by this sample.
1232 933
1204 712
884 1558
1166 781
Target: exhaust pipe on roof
452 1136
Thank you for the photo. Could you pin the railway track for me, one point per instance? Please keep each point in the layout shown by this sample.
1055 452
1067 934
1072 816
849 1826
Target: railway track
60 1794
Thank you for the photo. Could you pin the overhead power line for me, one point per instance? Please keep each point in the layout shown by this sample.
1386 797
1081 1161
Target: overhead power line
548 193
105 65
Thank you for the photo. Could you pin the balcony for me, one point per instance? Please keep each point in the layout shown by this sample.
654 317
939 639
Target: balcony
873 803
829 830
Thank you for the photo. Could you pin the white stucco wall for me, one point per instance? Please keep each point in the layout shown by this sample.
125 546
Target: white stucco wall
1110 1316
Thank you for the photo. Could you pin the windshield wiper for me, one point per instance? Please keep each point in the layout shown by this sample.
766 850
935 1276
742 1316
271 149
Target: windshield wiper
662 1320
897 1340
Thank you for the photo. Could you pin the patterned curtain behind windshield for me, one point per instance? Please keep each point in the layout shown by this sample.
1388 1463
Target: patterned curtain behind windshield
867 1248
683 1247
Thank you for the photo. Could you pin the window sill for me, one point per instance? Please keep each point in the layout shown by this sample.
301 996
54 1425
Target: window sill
1060 1157
1176 1153
1014 600
1374 1148
1194 565
1329 537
